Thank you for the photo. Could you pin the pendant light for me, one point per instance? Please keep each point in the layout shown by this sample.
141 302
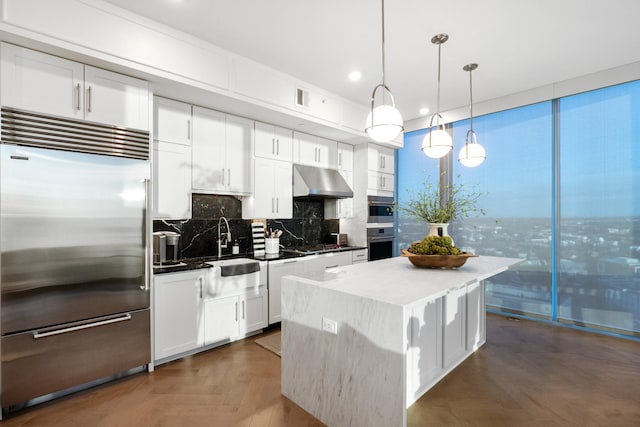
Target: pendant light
438 142
384 122
472 154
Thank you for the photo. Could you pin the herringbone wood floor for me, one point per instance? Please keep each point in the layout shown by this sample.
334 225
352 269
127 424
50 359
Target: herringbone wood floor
528 374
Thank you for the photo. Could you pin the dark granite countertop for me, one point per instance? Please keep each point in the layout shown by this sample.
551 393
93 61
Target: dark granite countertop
199 263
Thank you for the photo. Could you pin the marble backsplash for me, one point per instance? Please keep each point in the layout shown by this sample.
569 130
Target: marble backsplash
200 233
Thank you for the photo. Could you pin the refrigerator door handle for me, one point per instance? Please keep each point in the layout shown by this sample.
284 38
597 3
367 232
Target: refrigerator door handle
145 233
38 335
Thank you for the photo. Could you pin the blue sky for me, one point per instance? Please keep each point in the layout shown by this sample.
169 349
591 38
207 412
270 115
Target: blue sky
599 157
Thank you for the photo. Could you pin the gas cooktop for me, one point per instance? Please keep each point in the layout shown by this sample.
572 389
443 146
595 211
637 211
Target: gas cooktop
318 249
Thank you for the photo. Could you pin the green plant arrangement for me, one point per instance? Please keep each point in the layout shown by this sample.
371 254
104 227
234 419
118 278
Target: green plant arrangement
425 204
434 245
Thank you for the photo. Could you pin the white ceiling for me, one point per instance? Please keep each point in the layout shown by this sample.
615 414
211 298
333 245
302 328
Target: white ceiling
519 45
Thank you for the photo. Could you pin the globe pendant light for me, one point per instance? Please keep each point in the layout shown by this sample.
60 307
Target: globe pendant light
472 154
384 122
437 143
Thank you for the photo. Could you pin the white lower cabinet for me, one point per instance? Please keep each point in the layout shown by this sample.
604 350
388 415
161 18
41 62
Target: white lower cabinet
316 263
278 269
454 327
234 316
476 315
186 320
442 333
221 319
425 352
359 255
307 264
178 313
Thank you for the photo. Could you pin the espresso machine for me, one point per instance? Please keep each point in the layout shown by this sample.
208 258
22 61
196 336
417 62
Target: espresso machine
166 247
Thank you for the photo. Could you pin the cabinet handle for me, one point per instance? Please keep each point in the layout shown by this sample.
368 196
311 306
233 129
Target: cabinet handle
277 204
242 310
229 176
272 205
236 312
189 129
273 146
89 99
200 279
331 266
78 97
319 155
278 146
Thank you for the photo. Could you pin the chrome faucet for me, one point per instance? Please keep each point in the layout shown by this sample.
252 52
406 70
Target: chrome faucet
223 239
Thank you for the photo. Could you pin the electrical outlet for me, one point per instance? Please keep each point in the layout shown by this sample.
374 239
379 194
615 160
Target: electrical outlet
330 325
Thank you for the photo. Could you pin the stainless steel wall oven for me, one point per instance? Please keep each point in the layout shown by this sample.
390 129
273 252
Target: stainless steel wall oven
380 242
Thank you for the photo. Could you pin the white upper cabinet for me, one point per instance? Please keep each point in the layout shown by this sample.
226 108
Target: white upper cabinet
381 158
171 180
345 156
273 195
238 155
43 83
207 154
273 142
222 153
115 99
172 121
314 151
382 182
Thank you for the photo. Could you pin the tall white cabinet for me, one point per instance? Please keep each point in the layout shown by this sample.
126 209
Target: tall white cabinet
273 174
48 84
171 159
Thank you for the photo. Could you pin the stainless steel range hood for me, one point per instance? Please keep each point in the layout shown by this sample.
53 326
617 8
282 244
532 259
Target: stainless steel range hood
319 183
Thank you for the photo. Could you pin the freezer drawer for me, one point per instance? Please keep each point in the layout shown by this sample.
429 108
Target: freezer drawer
37 363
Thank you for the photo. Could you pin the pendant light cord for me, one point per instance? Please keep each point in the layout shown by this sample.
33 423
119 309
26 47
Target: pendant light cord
470 100
383 59
438 87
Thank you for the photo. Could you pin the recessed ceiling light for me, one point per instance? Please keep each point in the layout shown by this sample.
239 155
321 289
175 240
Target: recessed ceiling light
424 111
354 76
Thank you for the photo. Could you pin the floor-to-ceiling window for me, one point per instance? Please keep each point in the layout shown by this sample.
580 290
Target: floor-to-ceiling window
562 191
516 179
599 229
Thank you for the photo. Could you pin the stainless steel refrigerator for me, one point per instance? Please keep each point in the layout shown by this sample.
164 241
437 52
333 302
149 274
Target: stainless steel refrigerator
74 299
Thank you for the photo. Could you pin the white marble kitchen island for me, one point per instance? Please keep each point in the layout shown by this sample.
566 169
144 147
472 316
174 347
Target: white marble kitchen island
399 330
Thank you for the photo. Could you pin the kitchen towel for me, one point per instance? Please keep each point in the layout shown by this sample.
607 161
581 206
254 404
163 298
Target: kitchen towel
257 234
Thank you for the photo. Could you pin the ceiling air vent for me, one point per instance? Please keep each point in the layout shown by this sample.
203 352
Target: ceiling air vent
302 98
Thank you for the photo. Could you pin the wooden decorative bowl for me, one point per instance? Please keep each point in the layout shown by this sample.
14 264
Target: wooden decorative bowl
437 261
